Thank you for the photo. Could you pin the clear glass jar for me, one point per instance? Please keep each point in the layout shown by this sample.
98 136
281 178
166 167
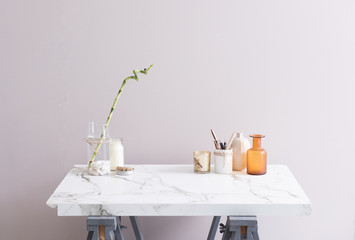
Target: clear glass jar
101 163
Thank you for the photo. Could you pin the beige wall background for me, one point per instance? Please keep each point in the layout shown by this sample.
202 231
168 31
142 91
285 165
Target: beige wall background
282 68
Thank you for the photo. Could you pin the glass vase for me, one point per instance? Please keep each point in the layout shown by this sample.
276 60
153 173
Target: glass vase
256 157
101 163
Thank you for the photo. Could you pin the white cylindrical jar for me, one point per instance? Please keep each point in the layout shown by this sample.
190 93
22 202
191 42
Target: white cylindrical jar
240 147
223 161
116 154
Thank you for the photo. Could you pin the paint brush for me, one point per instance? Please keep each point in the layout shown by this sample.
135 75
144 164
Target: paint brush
231 141
215 140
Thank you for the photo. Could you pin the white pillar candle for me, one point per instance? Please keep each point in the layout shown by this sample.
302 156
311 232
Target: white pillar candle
116 154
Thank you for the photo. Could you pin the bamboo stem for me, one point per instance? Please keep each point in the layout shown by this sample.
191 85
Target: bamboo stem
135 72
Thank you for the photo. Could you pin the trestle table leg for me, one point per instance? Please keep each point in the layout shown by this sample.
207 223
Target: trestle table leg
214 227
119 232
135 226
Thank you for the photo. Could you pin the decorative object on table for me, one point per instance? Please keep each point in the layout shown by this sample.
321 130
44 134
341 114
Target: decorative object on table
215 140
223 161
202 161
240 147
116 153
124 171
256 157
223 155
229 144
99 168
222 145
135 77
102 165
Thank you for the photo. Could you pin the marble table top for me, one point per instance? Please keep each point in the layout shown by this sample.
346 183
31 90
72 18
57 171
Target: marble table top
175 190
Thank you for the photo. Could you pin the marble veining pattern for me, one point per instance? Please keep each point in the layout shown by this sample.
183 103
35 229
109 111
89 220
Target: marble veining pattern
175 190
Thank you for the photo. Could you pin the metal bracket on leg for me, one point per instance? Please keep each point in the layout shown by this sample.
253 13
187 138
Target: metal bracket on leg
213 229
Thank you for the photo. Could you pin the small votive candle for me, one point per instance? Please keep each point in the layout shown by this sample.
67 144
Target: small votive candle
116 154
202 160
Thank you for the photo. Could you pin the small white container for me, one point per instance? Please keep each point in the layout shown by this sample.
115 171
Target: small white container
223 161
116 153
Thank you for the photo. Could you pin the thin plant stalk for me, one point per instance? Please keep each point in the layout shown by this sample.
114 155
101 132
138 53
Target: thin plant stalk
135 77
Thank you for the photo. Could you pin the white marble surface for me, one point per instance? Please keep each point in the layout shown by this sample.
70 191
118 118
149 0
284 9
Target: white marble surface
175 190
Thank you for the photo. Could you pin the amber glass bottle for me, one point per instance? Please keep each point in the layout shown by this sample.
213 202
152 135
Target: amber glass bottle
256 157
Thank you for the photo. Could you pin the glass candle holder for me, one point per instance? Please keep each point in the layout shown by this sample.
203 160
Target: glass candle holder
223 161
256 157
202 161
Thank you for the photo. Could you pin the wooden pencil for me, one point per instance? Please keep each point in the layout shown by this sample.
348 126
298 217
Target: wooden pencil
215 140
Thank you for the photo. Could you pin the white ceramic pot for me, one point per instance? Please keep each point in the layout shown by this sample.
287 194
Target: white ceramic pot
223 161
